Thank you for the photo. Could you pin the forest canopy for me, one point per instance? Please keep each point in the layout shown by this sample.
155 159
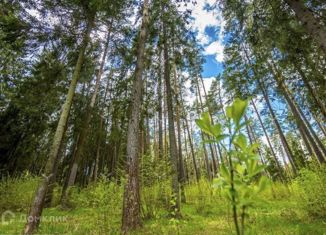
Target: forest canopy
162 117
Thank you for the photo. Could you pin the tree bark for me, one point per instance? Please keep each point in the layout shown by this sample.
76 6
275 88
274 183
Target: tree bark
203 136
309 22
192 150
312 91
180 157
278 127
172 137
284 142
304 118
160 113
85 125
49 194
254 140
98 149
300 122
131 201
211 146
38 202
320 125
270 144
186 171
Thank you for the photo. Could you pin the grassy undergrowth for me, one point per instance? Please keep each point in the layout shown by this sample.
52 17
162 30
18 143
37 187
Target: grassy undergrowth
97 210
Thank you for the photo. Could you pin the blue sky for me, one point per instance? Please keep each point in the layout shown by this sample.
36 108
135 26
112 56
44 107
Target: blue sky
209 26
211 67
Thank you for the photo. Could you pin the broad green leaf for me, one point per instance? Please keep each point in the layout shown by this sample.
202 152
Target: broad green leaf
206 118
229 111
220 138
241 141
216 129
238 110
203 126
205 123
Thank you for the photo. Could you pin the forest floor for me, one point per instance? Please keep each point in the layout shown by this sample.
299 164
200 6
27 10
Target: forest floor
275 218
98 211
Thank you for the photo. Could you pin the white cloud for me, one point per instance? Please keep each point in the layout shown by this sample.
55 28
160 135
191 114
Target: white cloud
203 19
215 48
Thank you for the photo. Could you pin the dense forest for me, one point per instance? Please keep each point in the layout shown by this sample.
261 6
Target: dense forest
109 123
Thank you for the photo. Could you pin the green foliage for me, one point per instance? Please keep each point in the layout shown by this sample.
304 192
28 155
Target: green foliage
99 195
156 188
236 111
98 211
311 186
241 181
16 193
271 164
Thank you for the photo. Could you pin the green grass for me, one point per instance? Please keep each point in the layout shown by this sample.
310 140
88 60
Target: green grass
275 218
98 211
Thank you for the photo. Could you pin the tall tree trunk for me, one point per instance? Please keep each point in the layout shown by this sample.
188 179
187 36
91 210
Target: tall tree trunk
284 142
36 208
51 186
270 144
211 146
296 113
105 121
166 144
61 154
203 136
312 131
131 201
70 165
278 126
254 140
180 158
148 136
172 138
186 171
85 123
160 114
181 166
224 115
312 91
247 129
98 149
192 150
320 125
144 129
310 23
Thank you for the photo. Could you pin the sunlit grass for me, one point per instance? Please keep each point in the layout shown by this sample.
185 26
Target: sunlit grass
97 210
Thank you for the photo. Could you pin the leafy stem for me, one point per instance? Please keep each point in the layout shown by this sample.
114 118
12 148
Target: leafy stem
238 181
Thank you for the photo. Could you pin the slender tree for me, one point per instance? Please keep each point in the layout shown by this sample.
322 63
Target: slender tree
38 202
309 22
86 120
131 200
